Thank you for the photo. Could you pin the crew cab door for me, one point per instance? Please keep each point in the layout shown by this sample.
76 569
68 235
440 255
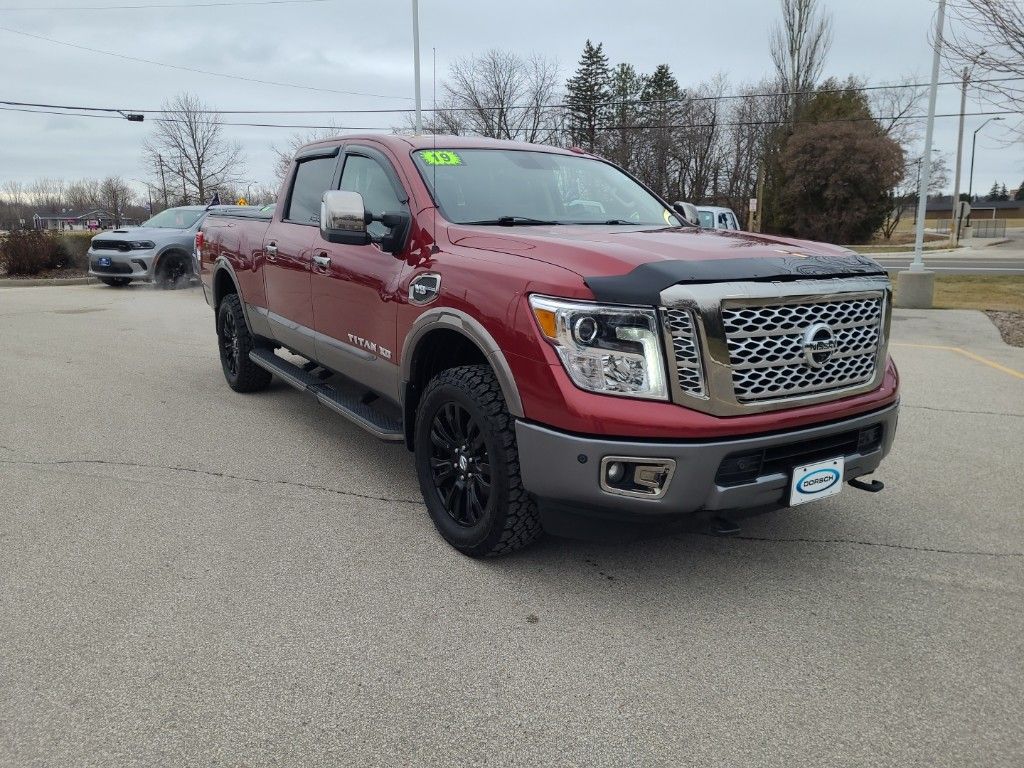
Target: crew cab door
288 248
355 287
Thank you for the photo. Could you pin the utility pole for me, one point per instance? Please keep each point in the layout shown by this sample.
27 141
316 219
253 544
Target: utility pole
916 287
954 230
163 180
416 62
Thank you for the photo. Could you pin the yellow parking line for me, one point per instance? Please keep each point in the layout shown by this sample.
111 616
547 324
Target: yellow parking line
965 353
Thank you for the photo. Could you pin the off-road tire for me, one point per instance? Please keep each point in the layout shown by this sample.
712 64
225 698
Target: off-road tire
235 343
115 282
173 271
510 519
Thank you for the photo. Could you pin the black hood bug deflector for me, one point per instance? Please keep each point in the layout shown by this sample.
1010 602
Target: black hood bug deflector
644 284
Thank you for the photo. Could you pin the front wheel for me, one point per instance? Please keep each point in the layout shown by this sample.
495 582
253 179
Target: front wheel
235 343
174 270
467 461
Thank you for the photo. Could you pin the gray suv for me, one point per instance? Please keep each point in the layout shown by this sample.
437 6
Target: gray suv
160 250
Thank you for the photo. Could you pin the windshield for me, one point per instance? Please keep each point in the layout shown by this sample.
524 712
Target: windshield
510 187
175 218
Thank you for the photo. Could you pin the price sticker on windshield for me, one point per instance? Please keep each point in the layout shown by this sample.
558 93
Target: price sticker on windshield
440 157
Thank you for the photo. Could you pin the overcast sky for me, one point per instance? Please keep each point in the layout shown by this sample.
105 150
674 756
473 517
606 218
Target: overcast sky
355 45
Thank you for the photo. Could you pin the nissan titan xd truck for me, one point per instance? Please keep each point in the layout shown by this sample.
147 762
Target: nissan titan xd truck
549 337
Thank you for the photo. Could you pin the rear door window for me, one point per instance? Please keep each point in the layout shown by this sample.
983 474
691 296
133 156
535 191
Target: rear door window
312 178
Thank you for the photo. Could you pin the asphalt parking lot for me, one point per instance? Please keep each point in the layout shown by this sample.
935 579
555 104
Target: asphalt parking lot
189 576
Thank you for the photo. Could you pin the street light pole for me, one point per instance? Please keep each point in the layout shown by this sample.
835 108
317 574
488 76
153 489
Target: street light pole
926 174
974 141
416 62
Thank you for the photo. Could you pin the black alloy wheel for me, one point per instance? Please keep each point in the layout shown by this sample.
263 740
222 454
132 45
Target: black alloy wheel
230 346
460 465
235 342
467 463
174 272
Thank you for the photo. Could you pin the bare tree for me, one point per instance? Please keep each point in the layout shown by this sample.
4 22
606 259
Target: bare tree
115 196
189 146
83 194
46 193
13 193
903 196
500 95
894 106
987 36
799 45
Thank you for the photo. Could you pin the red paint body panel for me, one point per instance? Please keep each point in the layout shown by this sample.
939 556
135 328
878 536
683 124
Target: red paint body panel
487 272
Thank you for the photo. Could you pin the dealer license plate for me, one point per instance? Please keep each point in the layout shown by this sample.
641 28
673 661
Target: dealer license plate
103 261
816 481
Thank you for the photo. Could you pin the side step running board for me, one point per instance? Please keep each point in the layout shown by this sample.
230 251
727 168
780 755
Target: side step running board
351 407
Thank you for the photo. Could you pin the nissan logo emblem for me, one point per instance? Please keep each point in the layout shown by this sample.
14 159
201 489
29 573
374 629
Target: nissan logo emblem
819 345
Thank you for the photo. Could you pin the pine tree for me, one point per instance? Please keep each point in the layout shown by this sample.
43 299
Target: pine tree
1020 192
587 95
621 142
1004 194
662 114
993 194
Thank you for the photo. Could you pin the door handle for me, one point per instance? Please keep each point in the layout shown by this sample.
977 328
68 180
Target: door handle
322 260
271 251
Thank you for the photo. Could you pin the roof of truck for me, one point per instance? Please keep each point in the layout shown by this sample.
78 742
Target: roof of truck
403 142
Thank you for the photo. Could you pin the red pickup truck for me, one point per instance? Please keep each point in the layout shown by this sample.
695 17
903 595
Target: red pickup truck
549 337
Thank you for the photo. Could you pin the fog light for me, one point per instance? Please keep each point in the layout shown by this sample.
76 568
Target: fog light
636 476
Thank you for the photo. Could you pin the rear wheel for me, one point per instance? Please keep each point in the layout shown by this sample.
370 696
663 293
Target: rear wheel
116 282
174 271
468 464
235 343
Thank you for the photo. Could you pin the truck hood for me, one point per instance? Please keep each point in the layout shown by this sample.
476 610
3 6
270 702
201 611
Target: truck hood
141 233
634 264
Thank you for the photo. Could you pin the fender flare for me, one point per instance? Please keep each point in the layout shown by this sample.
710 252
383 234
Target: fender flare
462 323
223 265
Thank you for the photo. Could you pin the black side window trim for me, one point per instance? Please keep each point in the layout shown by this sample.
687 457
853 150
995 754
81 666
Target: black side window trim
304 158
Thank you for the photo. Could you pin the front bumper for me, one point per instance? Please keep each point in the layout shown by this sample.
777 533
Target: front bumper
137 265
564 469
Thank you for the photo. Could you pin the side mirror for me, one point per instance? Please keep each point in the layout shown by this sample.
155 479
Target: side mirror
688 211
343 218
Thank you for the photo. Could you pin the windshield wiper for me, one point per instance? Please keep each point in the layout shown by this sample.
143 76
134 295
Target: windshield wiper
512 221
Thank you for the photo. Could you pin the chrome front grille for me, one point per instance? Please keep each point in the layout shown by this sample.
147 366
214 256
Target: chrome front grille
686 353
766 347
748 347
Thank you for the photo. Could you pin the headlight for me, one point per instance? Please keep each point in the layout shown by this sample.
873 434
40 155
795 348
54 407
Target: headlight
606 349
142 245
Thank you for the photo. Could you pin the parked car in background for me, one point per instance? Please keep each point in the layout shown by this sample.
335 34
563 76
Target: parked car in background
713 217
159 251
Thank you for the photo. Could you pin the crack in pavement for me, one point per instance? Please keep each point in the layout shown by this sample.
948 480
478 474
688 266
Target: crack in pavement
958 410
210 473
863 543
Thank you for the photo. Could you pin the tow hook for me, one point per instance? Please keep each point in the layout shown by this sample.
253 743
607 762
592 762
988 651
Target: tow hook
873 487
723 526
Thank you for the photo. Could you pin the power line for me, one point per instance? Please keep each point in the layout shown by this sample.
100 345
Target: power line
194 69
409 110
159 5
723 124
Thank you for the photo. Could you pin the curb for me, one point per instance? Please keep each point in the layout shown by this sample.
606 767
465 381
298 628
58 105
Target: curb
8 282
